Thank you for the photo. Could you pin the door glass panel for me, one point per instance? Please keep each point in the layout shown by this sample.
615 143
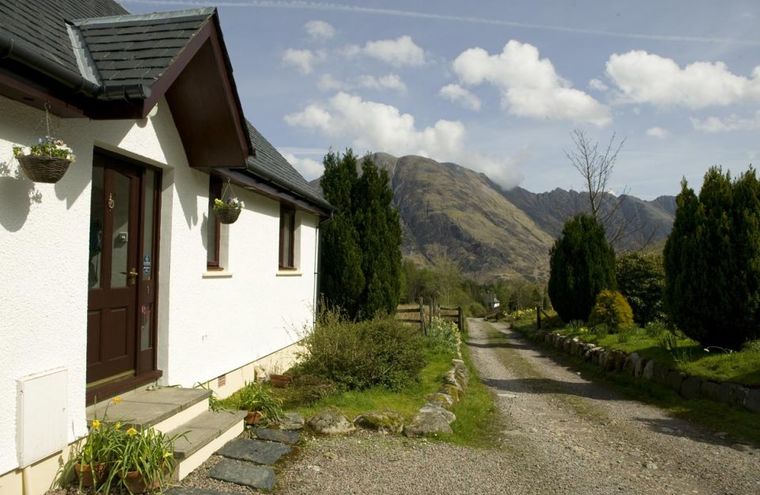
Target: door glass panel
145 319
118 202
150 198
96 228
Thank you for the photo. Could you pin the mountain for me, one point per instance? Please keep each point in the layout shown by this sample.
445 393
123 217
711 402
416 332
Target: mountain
451 211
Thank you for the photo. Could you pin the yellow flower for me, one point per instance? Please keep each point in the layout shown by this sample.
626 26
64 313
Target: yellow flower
116 399
131 432
95 424
117 425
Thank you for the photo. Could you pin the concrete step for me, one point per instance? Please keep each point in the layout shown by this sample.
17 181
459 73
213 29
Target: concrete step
202 436
164 408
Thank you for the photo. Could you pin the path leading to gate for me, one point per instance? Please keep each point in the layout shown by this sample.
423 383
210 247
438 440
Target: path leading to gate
562 434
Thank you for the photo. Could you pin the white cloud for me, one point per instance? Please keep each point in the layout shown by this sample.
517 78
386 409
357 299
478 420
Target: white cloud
530 87
460 95
402 51
302 60
727 124
598 85
308 167
391 82
319 30
373 126
642 77
658 132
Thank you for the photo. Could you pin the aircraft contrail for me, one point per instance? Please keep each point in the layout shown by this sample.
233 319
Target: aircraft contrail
337 7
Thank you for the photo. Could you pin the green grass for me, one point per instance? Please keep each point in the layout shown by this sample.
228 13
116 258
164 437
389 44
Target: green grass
687 356
406 401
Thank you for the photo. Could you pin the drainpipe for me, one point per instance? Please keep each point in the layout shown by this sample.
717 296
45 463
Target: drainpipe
22 53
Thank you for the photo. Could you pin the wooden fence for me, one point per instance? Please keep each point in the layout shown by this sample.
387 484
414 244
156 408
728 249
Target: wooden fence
422 314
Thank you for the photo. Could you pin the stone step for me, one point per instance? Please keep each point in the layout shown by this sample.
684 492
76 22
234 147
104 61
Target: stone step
164 408
203 435
243 473
256 451
282 436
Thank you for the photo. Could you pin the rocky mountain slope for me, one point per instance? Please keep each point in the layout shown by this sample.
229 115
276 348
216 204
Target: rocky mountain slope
451 211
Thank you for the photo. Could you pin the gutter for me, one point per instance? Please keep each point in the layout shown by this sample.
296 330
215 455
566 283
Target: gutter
20 52
272 179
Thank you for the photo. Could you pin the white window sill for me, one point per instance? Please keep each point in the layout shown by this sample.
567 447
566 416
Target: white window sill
288 273
217 274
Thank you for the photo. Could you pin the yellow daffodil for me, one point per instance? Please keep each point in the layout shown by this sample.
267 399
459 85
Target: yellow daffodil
131 432
95 424
117 399
117 425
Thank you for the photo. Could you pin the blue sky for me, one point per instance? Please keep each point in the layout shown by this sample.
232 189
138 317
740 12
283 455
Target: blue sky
498 86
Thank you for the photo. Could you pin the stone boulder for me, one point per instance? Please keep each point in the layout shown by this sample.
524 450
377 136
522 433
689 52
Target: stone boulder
436 409
440 399
429 423
381 421
291 421
330 422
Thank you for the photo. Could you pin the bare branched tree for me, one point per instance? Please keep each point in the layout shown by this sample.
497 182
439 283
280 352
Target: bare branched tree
595 164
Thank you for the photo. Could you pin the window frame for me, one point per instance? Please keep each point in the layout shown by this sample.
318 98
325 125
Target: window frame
287 211
214 191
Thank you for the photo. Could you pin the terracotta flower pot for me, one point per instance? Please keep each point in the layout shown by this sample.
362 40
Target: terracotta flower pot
253 417
280 381
85 476
136 484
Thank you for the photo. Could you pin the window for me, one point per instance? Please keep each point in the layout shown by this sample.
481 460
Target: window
213 228
287 237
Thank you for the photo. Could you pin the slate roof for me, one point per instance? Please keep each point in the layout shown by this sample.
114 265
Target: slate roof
40 24
132 51
271 165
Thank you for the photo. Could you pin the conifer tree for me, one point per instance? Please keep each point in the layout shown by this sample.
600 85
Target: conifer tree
341 277
712 260
582 264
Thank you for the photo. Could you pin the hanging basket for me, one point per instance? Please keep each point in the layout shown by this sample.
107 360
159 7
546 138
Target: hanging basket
227 215
48 169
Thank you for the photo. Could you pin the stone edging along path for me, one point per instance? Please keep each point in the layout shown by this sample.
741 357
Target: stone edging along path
640 368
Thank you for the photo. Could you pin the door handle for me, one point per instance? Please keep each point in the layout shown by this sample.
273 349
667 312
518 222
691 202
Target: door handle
131 274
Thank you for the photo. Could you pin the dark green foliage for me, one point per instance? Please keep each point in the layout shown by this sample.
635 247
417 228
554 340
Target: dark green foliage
641 279
380 352
582 264
377 224
712 260
341 276
612 310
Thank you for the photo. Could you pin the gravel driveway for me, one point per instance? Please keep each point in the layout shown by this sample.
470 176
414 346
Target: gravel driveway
563 435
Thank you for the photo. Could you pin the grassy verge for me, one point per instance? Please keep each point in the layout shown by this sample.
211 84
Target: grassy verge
739 425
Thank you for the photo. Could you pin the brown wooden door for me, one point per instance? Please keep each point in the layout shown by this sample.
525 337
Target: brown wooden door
114 275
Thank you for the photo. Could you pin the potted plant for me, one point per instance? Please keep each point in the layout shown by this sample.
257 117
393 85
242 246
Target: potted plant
262 407
146 459
227 211
90 465
47 161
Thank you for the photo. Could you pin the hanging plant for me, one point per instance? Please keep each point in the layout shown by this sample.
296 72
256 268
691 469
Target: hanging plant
227 210
46 161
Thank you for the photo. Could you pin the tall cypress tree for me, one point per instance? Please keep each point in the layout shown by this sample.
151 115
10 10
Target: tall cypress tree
342 280
582 264
377 223
712 260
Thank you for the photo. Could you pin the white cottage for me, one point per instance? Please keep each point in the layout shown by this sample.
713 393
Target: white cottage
120 276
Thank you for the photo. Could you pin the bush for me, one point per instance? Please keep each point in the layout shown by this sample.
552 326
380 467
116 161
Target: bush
641 279
443 335
612 310
582 264
380 352
255 397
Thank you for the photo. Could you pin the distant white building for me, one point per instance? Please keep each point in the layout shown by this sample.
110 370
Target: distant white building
120 274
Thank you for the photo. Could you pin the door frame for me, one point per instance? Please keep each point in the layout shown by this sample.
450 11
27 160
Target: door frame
145 372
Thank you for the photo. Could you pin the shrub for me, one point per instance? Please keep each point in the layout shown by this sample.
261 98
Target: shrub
582 264
256 397
443 335
612 310
380 352
641 279
712 261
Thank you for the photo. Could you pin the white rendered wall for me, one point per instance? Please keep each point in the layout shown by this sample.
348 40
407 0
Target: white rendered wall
207 326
